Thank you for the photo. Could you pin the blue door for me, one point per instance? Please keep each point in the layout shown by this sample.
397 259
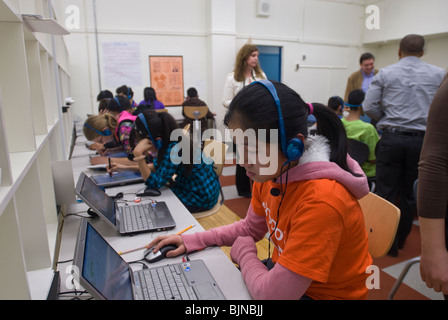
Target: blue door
271 61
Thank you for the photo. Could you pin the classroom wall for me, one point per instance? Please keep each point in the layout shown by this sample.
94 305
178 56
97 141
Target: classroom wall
321 40
401 17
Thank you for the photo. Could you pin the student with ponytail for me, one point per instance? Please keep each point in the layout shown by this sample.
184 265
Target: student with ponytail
308 204
195 184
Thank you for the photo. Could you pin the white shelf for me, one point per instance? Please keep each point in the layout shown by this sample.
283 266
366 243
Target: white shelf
31 127
40 283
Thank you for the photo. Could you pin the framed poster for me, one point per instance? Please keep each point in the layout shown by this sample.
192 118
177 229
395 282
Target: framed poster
167 79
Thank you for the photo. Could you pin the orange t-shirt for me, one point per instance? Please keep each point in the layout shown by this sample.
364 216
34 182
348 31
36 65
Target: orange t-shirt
320 235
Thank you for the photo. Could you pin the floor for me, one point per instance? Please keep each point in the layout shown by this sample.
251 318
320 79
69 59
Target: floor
412 288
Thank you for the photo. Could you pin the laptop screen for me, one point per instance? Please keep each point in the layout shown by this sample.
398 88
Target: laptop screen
104 269
97 198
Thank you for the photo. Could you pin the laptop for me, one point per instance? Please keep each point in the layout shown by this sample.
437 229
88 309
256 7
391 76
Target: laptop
154 216
117 179
107 276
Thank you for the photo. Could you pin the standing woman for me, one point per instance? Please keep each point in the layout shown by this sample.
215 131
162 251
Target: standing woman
247 70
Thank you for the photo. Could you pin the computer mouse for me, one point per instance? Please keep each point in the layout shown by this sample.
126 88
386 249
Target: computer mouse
148 192
151 257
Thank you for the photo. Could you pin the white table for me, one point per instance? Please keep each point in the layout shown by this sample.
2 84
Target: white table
222 269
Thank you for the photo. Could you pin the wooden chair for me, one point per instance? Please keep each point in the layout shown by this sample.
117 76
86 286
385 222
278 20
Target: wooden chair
193 111
217 151
381 221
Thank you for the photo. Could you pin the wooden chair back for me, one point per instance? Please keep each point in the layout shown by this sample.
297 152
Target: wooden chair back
190 110
217 151
381 221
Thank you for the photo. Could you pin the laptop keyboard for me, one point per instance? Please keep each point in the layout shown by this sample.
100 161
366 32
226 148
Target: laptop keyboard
138 217
164 283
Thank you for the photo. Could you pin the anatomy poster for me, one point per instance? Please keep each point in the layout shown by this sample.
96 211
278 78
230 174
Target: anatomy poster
167 79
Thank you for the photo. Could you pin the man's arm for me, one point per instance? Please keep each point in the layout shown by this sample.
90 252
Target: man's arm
374 96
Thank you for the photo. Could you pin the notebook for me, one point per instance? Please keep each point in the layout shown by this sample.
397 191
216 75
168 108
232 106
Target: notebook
107 276
117 179
154 216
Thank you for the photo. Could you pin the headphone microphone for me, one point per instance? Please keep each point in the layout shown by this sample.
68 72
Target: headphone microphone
275 192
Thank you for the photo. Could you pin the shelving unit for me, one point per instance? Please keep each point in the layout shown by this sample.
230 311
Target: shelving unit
34 133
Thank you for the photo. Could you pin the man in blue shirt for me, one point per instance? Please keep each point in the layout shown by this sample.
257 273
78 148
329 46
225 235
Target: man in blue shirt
398 99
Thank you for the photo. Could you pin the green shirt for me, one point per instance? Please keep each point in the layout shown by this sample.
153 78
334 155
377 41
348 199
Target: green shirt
364 132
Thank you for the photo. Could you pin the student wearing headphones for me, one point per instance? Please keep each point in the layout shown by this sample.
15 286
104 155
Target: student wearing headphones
308 204
336 104
127 92
112 128
196 184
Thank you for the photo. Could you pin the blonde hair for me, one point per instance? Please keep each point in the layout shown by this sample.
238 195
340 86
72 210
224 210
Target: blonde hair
240 62
99 122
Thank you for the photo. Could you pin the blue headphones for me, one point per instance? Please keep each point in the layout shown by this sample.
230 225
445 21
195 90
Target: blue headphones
292 149
158 142
118 101
340 101
105 133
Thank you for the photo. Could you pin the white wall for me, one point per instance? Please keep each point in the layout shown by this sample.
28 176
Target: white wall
325 37
401 17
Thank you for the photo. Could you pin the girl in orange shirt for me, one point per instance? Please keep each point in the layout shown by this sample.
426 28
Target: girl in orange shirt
308 203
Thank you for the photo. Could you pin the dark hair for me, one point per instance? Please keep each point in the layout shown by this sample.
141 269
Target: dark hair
192 92
366 56
412 44
122 104
160 125
335 103
104 94
149 94
127 91
104 104
355 98
253 107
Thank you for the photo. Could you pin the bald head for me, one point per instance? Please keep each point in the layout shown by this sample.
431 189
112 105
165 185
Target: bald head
412 45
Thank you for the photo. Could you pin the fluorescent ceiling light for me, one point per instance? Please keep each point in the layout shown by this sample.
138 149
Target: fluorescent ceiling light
37 23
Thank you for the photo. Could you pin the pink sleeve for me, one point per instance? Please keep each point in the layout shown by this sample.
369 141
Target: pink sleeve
253 225
279 283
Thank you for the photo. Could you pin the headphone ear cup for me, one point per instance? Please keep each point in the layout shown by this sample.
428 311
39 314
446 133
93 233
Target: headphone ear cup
294 149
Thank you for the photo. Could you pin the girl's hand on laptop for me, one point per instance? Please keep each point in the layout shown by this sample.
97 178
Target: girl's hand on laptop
99 160
162 241
114 167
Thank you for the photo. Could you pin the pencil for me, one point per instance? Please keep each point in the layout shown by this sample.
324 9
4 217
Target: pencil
146 247
187 228
110 168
